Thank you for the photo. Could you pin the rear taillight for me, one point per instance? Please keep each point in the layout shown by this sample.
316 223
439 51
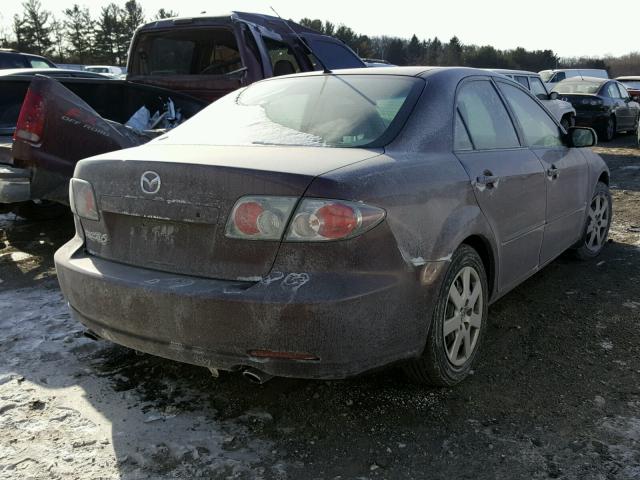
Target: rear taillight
315 219
320 220
592 101
260 218
82 199
31 119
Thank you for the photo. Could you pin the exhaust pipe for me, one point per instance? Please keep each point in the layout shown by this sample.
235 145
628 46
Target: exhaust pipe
255 376
91 335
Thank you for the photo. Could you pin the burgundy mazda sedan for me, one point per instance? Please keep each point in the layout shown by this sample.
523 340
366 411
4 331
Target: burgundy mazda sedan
325 224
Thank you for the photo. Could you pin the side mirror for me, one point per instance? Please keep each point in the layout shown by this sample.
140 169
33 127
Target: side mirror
553 96
582 137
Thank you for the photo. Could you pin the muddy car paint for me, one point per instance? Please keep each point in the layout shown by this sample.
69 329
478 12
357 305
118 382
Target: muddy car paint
347 306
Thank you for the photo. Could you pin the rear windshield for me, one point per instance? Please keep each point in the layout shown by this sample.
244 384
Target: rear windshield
634 84
187 52
322 110
578 87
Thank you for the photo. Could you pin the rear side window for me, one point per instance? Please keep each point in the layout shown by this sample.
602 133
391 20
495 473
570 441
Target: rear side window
612 91
537 88
8 60
538 128
460 136
486 116
36 63
522 81
334 55
559 77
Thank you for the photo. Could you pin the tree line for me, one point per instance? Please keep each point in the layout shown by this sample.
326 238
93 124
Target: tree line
76 37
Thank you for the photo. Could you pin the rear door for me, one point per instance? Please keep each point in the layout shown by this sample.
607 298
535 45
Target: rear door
631 107
567 174
621 107
508 178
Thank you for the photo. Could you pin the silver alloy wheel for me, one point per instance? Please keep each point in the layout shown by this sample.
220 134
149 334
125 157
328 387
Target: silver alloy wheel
598 222
463 316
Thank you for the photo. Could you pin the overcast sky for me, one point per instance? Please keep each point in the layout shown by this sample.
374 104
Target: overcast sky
540 24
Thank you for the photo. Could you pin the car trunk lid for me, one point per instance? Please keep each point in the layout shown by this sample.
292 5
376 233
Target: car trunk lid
181 227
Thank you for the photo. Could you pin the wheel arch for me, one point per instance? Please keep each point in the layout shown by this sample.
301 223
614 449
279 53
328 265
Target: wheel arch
485 250
604 178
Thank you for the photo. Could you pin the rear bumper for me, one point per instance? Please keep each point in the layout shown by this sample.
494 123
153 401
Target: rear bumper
15 184
351 322
596 120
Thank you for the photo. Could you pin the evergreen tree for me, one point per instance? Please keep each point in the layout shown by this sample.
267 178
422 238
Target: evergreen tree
36 29
162 13
109 32
415 51
80 30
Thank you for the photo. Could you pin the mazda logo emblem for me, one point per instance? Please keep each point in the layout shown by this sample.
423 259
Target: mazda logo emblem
150 182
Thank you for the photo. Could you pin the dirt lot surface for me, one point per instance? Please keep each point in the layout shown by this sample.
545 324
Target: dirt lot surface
555 393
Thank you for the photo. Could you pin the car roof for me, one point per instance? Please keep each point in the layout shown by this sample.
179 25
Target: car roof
411 71
586 79
49 71
269 21
628 77
505 71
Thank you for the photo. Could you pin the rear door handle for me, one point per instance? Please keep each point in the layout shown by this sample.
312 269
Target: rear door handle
553 172
487 179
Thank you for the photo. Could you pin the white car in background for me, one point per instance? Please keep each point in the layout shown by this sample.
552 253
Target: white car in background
552 77
561 110
105 70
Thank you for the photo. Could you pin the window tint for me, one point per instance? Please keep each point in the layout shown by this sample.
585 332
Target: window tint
334 55
187 52
559 77
538 128
461 140
537 88
522 81
486 117
623 91
283 61
612 91
8 60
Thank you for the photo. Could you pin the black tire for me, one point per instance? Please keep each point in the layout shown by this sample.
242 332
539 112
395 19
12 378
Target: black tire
434 366
609 131
44 210
585 248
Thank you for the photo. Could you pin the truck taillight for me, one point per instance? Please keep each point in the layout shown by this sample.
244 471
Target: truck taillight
82 199
31 119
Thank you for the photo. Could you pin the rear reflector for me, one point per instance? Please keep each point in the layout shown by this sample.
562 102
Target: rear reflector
282 355
31 120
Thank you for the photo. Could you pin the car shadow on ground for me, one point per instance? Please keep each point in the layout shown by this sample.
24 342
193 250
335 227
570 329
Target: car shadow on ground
555 346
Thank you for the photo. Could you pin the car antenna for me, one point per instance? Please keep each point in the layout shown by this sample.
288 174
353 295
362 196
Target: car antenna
306 45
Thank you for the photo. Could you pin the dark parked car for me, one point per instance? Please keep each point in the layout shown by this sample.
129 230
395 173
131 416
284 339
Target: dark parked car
10 58
320 225
602 104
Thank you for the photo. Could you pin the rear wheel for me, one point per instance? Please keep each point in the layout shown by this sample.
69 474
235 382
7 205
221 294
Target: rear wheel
458 323
609 130
596 230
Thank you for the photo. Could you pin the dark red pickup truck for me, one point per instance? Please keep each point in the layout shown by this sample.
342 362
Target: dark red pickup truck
185 62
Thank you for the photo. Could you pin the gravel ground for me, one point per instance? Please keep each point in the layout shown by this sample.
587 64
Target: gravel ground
555 393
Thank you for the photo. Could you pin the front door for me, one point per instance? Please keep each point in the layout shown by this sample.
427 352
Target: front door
566 172
508 179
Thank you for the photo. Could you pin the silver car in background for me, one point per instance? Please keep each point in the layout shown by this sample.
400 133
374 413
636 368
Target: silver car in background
563 111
